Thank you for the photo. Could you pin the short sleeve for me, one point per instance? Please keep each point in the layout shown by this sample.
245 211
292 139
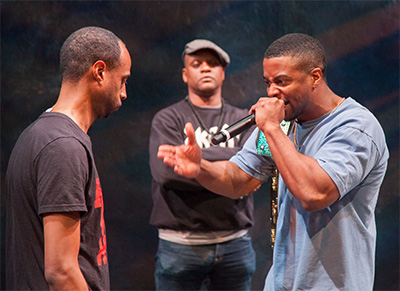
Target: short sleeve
62 174
347 155
255 165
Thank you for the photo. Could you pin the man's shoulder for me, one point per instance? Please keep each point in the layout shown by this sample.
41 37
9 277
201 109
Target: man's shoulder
55 120
357 115
52 126
235 108
356 121
172 110
234 113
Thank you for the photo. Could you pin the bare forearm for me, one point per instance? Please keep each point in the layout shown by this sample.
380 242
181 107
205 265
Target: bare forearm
221 177
65 278
303 176
226 179
62 243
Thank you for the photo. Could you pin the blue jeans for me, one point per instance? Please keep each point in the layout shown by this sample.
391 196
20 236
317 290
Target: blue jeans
223 266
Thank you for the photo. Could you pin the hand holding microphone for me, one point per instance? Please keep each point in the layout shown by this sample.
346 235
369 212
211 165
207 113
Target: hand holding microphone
274 106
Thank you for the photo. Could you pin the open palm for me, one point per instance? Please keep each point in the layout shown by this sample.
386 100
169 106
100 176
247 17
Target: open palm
185 159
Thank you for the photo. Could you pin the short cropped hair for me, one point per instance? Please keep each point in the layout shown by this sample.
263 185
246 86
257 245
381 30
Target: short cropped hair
307 50
86 46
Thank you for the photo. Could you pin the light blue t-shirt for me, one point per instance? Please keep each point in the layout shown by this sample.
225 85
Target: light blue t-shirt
331 249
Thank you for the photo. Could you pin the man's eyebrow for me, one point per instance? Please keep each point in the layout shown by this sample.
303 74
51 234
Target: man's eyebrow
277 77
282 76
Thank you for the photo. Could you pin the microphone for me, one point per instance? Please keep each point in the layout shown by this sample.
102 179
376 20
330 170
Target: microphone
233 130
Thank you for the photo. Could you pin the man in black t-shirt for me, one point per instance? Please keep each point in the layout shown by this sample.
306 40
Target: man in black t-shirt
56 236
203 237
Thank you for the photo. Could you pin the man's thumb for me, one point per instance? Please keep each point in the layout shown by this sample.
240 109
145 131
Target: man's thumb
190 133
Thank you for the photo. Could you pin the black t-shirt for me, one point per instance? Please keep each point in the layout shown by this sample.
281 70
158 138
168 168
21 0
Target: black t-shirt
52 170
183 204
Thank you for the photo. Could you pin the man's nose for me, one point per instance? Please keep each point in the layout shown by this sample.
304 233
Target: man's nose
205 66
124 95
272 90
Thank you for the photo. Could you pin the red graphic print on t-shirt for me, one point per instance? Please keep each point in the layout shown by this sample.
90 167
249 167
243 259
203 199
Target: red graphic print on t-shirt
102 255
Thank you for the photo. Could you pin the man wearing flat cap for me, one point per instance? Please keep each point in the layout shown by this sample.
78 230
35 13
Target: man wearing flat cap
203 237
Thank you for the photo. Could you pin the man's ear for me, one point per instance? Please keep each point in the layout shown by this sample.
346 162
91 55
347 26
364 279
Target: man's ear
184 76
316 75
98 70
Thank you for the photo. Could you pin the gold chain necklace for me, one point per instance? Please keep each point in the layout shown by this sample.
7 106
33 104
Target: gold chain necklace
295 125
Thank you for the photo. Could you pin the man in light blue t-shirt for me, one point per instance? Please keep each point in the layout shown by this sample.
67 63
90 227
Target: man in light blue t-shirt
332 162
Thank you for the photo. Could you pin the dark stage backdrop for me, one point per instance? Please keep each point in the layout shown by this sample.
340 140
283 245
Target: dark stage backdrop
362 43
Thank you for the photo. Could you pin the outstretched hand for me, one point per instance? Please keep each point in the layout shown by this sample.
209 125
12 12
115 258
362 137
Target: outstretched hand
185 159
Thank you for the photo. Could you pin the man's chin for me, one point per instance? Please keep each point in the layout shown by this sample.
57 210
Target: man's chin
204 92
207 86
289 116
106 114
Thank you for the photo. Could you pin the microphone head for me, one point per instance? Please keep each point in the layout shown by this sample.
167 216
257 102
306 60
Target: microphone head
235 129
218 138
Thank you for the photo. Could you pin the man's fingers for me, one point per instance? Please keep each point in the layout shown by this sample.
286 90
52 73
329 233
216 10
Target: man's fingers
167 153
190 133
165 150
169 161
